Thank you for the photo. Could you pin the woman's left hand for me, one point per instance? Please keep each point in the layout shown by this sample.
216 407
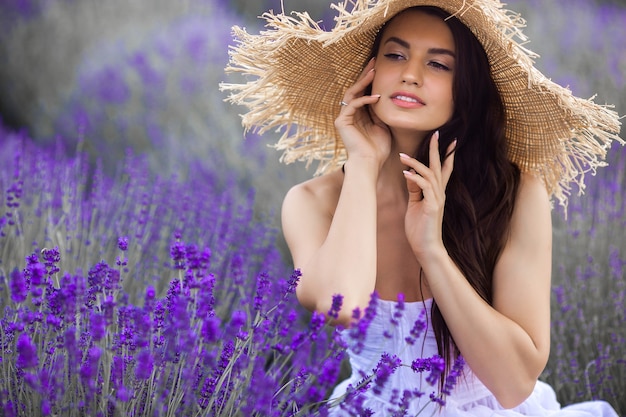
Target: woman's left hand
427 197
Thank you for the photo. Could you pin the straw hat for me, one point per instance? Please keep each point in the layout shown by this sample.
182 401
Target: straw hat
300 73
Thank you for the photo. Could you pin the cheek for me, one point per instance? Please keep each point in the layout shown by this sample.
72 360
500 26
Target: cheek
449 100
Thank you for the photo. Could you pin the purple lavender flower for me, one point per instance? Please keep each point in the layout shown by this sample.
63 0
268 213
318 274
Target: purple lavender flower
238 319
211 329
206 299
19 288
452 377
386 366
293 281
177 252
98 325
112 280
89 369
418 327
122 243
437 399
35 273
437 367
145 365
399 310
108 308
142 327
149 299
318 320
118 368
9 409
262 291
358 331
51 257
336 306
26 352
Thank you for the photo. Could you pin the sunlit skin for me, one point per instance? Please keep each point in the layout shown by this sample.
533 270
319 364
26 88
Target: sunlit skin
376 226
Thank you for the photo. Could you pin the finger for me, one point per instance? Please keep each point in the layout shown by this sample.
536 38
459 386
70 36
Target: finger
416 165
350 108
434 156
448 163
352 114
416 193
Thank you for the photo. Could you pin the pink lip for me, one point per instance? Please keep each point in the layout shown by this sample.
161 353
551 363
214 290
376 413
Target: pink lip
407 100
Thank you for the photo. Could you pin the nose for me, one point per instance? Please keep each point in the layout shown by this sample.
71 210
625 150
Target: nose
412 74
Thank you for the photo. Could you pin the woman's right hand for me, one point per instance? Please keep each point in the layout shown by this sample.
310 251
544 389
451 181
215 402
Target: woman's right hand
362 132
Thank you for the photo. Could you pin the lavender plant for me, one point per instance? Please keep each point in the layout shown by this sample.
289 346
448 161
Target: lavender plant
108 308
588 353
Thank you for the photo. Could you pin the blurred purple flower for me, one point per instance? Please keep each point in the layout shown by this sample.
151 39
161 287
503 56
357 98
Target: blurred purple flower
419 326
89 368
122 243
358 331
108 84
26 352
145 365
211 329
238 319
97 325
453 376
177 252
19 288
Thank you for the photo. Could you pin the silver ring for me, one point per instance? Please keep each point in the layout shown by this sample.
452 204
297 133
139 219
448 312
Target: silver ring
343 103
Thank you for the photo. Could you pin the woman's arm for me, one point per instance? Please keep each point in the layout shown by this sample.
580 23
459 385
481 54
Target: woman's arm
335 251
507 344
329 222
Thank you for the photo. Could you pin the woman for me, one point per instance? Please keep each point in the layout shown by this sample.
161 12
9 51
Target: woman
437 204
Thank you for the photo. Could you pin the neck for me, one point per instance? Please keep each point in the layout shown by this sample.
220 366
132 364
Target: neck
406 141
391 178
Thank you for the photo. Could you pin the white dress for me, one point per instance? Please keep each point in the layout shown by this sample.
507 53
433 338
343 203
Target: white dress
469 397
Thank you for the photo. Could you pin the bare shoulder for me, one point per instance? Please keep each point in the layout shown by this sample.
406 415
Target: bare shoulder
307 213
319 193
532 187
532 205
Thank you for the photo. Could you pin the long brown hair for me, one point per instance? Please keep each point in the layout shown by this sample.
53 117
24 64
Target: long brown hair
481 192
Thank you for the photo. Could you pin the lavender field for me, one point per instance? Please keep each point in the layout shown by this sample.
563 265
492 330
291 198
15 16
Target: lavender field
142 268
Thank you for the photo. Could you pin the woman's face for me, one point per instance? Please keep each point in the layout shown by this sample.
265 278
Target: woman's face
414 73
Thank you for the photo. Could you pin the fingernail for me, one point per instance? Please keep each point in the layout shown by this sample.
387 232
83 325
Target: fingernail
436 134
403 155
407 173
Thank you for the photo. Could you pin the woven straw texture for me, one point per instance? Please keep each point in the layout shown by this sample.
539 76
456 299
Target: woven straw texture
296 74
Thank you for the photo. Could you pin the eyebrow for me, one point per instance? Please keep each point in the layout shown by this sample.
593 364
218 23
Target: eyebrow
432 51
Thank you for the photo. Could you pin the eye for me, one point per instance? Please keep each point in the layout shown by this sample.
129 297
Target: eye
439 66
394 56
